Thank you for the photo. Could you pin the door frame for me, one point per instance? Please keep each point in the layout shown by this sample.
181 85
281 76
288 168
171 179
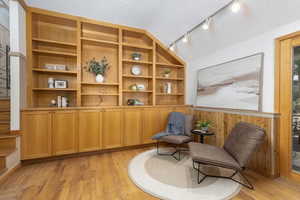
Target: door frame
283 95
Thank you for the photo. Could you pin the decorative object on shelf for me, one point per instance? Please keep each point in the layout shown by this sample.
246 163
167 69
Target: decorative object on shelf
167 88
64 102
60 83
53 103
141 87
136 70
203 125
166 73
137 87
56 67
50 82
99 68
134 102
133 87
58 101
136 56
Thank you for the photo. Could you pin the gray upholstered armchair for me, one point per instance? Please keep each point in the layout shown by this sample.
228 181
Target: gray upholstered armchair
240 145
178 139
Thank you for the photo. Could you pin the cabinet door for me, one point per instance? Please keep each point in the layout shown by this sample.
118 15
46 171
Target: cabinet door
151 124
132 127
36 137
64 132
112 129
89 130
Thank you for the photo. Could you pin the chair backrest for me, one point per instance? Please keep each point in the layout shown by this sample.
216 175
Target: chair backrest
189 124
243 141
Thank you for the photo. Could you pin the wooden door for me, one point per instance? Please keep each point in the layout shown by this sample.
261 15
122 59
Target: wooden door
36 135
151 124
65 138
284 101
112 129
132 127
89 123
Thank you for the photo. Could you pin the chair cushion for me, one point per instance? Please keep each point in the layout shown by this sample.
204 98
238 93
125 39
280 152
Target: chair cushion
213 155
243 141
176 139
188 125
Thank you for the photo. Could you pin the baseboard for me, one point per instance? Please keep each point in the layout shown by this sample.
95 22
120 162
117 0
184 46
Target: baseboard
8 173
40 160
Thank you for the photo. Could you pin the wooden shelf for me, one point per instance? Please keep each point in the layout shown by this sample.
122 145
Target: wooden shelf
136 61
54 71
137 46
137 91
55 89
112 84
171 79
169 65
133 76
165 94
54 52
99 41
54 42
98 94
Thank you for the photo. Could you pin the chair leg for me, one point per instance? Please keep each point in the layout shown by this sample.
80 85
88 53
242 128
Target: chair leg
168 154
247 184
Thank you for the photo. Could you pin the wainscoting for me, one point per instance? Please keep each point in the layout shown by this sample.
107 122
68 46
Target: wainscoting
265 160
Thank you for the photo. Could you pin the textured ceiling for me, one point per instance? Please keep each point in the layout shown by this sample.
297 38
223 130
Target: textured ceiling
166 19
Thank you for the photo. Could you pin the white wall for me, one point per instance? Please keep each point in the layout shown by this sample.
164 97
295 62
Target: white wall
17 45
217 45
4 17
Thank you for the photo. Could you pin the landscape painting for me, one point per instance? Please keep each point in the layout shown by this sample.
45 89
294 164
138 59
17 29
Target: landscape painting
235 85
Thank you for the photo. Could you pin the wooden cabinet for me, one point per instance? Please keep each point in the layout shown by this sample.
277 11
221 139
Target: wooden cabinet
89 130
151 124
36 138
132 127
64 132
112 129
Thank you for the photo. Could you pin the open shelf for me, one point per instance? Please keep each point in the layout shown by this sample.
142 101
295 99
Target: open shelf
134 76
137 46
137 91
54 71
136 61
91 83
170 79
54 42
136 38
172 94
54 89
98 94
99 41
54 52
99 32
167 65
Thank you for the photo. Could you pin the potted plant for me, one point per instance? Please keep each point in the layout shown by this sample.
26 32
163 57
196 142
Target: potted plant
166 73
136 56
203 125
99 68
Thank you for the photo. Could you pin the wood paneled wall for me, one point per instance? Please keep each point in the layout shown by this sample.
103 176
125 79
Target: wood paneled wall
265 160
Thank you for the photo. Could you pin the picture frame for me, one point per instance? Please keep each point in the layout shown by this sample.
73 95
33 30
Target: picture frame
60 84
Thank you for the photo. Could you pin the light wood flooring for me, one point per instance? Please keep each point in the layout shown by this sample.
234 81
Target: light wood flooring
104 177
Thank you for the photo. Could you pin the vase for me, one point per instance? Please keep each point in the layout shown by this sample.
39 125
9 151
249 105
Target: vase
99 78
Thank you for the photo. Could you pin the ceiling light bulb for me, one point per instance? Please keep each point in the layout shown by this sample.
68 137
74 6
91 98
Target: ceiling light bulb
206 24
185 39
236 6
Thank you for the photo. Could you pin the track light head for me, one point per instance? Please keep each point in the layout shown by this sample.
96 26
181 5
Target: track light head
236 6
206 24
172 47
185 39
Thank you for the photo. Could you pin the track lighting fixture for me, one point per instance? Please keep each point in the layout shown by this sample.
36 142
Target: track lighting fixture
185 39
172 47
206 24
236 6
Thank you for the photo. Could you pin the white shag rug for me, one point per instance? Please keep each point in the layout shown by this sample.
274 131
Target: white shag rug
169 179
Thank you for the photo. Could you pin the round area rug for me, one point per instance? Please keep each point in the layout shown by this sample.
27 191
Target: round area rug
169 179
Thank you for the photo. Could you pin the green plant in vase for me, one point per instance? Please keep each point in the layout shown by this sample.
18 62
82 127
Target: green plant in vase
166 73
99 68
136 56
203 125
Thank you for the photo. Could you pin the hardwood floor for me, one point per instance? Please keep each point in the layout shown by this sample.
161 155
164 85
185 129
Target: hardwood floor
104 177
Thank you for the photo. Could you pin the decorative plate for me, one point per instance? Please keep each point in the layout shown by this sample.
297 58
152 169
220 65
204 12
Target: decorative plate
136 70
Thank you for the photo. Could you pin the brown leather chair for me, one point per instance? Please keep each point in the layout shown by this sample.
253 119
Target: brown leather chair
240 145
177 140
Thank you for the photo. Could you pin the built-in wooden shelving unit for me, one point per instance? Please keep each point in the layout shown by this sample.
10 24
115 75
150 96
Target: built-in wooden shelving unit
61 39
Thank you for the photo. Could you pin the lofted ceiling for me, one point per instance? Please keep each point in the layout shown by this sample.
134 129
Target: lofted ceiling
166 19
